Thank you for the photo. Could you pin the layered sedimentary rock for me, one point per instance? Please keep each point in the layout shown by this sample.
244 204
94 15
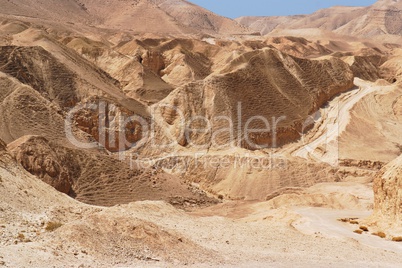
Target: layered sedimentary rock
388 194
37 157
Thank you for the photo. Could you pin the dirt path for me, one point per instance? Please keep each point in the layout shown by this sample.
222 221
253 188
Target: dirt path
321 143
325 222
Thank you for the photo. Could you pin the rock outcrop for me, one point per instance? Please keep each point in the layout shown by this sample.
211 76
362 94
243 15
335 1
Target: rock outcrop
112 125
388 194
365 67
36 155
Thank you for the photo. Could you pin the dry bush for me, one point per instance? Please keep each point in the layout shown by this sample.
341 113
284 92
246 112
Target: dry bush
358 231
349 220
380 234
52 226
397 239
21 237
364 228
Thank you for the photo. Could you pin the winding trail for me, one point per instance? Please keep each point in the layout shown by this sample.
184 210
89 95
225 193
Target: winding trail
321 143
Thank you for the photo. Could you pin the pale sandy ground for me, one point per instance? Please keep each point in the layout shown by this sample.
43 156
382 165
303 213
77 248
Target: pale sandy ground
232 234
290 236
299 229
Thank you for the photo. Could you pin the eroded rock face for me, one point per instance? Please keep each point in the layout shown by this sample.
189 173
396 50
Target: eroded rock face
38 157
113 126
154 60
365 67
388 193
2 146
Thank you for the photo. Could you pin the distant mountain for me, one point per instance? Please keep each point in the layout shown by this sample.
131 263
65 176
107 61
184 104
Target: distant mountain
384 17
138 16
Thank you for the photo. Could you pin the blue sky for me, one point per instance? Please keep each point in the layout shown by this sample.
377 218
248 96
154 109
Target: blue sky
237 8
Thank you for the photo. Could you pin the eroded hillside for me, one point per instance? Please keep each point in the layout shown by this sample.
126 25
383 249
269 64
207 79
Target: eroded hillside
155 132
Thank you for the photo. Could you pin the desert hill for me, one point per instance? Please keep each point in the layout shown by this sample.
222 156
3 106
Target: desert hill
183 183
162 17
382 18
41 89
138 74
269 84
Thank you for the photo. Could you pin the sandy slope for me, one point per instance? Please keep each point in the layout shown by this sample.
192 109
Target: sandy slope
155 234
28 206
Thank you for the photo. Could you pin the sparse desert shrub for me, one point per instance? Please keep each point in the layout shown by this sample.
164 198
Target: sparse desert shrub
399 146
364 228
358 231
52 226
349 220
21 237
397 239
380 234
